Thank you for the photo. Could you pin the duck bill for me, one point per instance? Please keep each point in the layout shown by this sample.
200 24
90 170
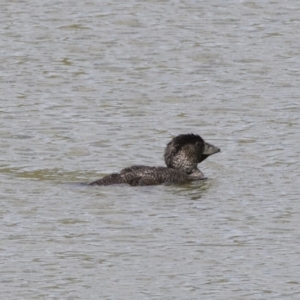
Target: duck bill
209 149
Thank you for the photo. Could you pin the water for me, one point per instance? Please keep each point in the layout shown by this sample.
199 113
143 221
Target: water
91 87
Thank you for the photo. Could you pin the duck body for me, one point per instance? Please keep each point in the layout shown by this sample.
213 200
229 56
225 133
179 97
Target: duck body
145 175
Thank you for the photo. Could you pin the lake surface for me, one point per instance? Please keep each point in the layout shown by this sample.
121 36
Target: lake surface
91 87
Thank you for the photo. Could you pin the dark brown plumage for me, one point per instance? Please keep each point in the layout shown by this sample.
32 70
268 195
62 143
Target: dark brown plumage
182 155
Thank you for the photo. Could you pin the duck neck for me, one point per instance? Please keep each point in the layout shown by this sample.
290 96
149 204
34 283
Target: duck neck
185 162
196 175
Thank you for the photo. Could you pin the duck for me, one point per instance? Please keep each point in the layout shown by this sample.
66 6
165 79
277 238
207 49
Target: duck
182 156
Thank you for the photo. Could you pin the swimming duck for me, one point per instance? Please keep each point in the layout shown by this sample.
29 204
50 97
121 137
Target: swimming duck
182 155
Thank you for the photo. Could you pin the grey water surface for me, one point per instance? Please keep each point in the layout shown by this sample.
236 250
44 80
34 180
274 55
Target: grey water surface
91 87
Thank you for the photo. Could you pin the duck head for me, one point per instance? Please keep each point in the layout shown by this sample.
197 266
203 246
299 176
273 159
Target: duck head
185 151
